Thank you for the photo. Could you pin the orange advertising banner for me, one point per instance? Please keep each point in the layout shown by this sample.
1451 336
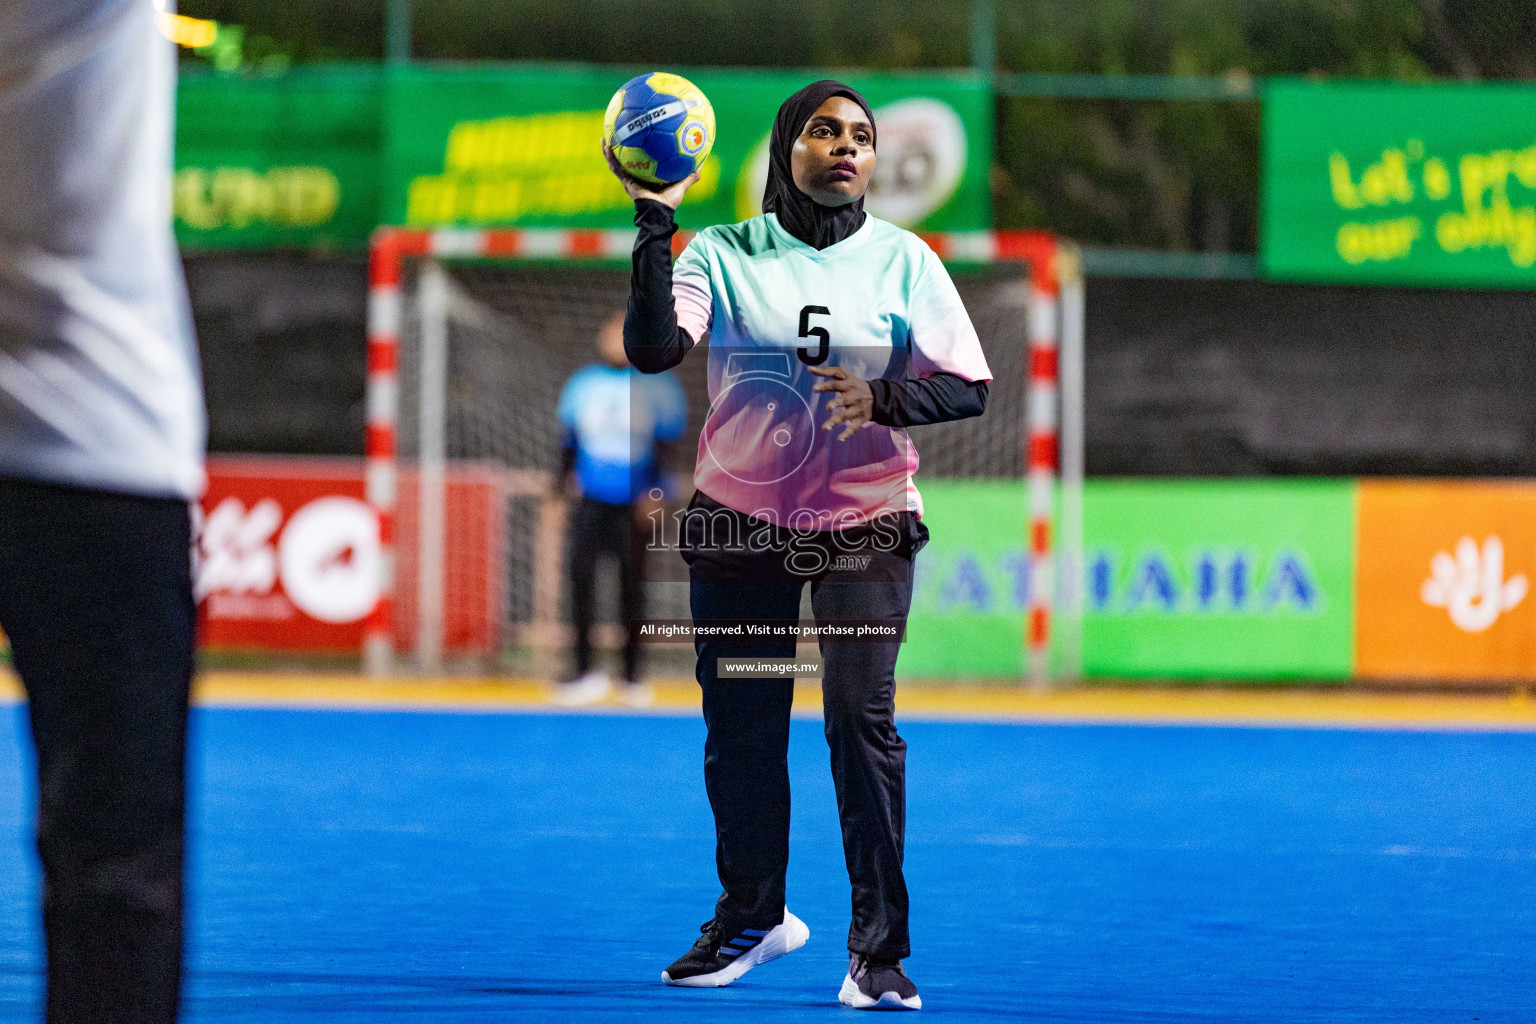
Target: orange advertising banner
1444 578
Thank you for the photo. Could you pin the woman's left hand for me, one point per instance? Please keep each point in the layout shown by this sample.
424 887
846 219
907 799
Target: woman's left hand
853 404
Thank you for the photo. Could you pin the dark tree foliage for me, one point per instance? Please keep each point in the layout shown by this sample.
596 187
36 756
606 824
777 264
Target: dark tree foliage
1166 175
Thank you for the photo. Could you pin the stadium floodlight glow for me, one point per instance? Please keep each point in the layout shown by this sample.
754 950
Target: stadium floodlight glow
192 33
1050 418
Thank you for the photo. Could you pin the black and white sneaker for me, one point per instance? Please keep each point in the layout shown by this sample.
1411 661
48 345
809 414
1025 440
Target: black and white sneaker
724 953
878 986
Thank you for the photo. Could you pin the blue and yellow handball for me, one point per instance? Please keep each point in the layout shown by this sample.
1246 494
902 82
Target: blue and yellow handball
660 127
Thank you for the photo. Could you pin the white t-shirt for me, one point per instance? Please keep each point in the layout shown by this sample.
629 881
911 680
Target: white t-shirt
878 304
100 385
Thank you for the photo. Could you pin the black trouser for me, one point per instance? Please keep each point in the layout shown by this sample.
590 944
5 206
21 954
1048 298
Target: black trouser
598 528
96 597
746 770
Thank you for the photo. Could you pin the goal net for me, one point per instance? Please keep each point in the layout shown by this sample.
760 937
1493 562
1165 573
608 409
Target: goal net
484 347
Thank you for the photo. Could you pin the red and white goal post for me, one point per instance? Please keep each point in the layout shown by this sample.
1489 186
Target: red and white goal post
1052 427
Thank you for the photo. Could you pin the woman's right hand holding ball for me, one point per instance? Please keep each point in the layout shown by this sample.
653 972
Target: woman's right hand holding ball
668 195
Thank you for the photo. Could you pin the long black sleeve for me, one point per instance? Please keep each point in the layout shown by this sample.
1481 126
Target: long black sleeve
917 400
652 340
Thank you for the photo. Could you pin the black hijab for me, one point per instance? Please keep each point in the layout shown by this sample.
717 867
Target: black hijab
816 225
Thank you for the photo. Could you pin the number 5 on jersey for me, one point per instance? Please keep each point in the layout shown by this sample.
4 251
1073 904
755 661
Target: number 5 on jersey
820 333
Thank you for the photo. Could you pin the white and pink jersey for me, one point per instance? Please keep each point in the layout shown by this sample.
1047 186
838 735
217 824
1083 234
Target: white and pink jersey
878 304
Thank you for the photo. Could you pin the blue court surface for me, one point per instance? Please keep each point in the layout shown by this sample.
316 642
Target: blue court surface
377 866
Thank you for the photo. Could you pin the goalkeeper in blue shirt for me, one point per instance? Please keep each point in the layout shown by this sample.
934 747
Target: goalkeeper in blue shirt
616 425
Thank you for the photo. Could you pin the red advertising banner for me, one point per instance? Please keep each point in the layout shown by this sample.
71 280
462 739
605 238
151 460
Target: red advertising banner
288 557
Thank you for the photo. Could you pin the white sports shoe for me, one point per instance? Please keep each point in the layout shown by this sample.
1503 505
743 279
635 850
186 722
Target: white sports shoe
723 954
877 986
636 695
589 689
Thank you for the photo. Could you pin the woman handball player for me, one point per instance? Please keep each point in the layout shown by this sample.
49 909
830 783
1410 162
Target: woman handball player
830 332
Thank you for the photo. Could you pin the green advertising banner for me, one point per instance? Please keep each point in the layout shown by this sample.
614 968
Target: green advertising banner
971 583
1208 579
520 146
1400 184
288 160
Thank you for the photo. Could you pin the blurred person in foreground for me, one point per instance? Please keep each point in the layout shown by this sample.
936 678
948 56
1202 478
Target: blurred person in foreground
101 450
617 426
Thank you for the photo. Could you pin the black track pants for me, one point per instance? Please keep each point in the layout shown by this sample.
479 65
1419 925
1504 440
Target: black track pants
598 528
96 597
746 768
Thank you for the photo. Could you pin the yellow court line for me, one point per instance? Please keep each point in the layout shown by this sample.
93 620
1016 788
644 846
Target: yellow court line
1315 708
1204 706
